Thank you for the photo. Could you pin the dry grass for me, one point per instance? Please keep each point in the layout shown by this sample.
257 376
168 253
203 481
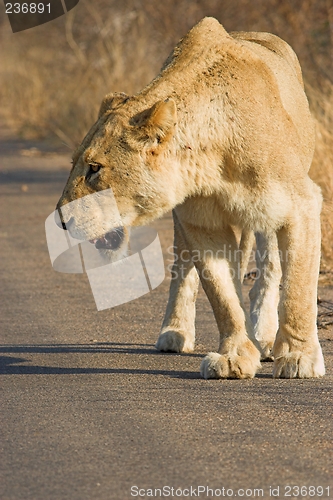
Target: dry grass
59 90
322 166
53 77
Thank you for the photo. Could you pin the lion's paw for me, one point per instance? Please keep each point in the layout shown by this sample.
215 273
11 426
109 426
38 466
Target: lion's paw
216 365
266 350
173 341
299 365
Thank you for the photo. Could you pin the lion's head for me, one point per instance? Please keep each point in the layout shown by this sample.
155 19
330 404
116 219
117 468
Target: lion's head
120 174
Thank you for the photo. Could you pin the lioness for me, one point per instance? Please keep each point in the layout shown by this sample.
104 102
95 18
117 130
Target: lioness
224 137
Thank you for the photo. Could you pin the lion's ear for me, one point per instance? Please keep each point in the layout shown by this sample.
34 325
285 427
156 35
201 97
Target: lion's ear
112 101
159 121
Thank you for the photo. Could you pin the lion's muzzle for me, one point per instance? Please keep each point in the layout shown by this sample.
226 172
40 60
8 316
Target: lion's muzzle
111 240
60 221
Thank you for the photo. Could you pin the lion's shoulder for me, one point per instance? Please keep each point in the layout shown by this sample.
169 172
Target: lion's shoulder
193 47
209 45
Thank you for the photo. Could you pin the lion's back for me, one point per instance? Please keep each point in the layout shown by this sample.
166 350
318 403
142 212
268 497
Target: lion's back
242 67
283 64
275 45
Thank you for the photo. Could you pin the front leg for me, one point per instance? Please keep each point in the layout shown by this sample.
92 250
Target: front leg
238 355
297 352
178 328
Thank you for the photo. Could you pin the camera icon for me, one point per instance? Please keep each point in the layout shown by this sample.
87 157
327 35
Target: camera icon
122 265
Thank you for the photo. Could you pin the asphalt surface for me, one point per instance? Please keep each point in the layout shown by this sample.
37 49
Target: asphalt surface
90 409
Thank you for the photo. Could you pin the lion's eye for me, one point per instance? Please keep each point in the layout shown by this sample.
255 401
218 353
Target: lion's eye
94 167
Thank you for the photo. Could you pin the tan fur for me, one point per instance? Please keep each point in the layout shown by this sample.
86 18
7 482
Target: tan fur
223 135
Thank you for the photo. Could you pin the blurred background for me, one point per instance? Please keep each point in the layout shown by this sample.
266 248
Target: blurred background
53 77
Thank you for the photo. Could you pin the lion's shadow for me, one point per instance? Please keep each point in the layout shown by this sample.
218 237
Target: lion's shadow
13 365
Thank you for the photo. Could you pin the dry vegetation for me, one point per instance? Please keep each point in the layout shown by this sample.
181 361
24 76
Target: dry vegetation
53 77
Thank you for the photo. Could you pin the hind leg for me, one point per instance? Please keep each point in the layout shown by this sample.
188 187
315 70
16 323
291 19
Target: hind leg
178 328
265 293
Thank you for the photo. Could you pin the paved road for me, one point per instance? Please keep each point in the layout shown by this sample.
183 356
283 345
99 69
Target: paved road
90 409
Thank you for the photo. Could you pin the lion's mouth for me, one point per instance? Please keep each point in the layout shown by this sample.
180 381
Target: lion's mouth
111 240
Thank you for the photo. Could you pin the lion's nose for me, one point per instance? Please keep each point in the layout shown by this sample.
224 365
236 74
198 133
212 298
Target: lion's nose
60 223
